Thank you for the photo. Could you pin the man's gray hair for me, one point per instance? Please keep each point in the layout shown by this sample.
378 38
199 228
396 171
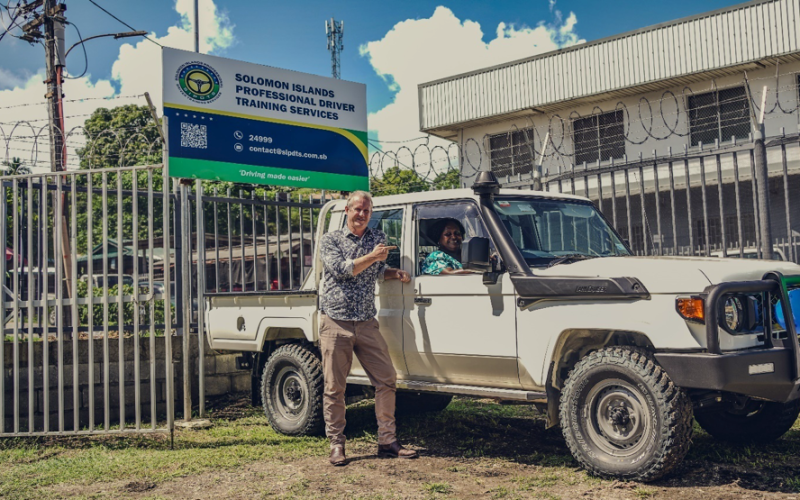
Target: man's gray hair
359 194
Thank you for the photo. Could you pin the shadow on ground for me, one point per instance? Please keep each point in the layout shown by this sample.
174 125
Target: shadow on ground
469 428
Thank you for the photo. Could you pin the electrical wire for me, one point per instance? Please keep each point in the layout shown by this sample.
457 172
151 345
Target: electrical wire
122 22
13 19
85 55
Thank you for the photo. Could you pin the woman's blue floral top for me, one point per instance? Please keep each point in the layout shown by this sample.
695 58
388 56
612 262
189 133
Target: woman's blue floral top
437 261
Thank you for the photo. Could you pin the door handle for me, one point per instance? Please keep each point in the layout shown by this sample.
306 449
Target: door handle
423 301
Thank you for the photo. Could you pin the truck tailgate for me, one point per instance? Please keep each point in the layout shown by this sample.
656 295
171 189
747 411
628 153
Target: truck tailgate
239 321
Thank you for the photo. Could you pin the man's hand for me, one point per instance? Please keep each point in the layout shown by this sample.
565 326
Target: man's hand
397 274
381 252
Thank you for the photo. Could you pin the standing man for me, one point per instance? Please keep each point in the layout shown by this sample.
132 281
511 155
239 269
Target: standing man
354 258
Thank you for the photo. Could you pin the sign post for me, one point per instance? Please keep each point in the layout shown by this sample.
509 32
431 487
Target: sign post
242 122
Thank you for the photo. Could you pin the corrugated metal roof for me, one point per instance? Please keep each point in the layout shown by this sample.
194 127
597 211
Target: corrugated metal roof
719 42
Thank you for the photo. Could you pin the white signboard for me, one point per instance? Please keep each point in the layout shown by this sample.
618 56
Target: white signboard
243 122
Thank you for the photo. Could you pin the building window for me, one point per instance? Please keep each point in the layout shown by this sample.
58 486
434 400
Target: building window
599 137
719 115
512 153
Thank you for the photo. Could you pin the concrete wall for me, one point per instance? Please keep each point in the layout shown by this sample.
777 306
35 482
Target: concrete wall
221 377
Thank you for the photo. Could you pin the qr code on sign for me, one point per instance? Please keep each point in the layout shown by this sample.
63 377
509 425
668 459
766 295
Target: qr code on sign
194 136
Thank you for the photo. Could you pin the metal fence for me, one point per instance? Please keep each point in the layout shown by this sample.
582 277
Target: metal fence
700 203
86 322
248 241
102 277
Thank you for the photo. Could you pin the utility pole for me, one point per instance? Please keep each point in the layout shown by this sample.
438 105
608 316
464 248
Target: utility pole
52 20
335 32
54 53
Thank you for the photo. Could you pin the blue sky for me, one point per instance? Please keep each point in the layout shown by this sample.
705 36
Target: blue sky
291 34
407 42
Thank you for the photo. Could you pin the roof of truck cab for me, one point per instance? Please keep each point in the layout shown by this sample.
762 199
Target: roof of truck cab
453 194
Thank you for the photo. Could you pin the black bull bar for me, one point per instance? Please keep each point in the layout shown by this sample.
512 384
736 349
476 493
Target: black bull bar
768 372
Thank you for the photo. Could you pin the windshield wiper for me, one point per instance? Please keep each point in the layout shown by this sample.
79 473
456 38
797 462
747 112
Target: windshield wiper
569 258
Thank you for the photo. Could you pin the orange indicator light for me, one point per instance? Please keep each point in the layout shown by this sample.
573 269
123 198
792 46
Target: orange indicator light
692 309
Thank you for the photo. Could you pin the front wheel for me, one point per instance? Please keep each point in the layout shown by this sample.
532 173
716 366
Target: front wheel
291 391
747 420
623 417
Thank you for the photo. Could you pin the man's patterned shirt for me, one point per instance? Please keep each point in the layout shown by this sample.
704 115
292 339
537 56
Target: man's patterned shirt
343 296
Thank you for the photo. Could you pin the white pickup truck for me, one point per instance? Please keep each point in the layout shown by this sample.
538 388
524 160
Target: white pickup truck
621 351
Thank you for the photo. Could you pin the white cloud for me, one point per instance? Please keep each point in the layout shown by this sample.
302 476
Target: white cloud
136 70
9 79
421 50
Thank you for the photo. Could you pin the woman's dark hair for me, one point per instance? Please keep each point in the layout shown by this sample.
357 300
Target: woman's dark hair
436 230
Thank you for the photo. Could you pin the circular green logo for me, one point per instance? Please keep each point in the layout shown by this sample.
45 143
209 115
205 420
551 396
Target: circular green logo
199 82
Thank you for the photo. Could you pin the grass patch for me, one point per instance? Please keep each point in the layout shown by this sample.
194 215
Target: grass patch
443 488
26 465
644 492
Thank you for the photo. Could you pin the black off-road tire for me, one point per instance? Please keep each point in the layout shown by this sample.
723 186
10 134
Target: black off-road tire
411 403
622 416
755 422
291 391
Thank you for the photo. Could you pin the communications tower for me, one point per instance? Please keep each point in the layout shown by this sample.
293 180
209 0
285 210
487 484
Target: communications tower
335 32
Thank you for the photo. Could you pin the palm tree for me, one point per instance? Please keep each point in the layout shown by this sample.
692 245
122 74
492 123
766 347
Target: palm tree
15 167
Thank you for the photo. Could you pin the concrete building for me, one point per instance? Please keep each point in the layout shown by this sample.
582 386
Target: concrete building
645 111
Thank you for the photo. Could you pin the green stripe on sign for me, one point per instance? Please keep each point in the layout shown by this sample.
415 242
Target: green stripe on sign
248 174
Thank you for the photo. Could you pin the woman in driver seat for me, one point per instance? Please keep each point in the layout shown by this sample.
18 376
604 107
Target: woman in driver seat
448 233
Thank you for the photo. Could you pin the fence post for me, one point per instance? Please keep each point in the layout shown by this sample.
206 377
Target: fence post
185 277
201 289
762 179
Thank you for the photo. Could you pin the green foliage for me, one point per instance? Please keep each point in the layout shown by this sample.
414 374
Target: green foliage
121 136
398 181
448 180
15 167
129 309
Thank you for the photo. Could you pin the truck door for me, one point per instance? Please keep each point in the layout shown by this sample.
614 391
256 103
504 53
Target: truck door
389 294
457 329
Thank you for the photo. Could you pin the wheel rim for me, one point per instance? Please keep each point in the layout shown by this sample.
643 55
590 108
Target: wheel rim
289 393
617 417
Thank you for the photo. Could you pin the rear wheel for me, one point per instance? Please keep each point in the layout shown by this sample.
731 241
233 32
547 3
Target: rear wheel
622 416
291 391
746 420
410 403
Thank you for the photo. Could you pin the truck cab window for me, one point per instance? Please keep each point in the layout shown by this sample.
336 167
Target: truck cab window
434 221
391 223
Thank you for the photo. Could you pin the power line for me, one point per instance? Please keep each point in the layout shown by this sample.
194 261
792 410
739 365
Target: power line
85 55
123 22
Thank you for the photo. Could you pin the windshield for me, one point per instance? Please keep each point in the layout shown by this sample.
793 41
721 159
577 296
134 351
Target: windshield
545 230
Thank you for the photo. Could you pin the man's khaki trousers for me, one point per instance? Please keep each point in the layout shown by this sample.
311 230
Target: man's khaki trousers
338 341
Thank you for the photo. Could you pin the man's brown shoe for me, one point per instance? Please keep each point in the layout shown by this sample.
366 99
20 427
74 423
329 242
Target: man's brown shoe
337 455
395 450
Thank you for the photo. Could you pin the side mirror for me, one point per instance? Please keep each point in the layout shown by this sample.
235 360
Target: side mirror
475 254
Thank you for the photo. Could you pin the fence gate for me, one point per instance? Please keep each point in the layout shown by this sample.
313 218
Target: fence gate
88 310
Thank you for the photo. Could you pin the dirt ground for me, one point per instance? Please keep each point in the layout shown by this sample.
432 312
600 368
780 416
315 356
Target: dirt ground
474 449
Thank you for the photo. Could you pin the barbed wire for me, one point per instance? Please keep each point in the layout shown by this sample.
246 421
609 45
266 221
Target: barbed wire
711 117
714 115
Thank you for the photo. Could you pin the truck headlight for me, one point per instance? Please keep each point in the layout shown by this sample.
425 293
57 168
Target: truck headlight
740 314
733 314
